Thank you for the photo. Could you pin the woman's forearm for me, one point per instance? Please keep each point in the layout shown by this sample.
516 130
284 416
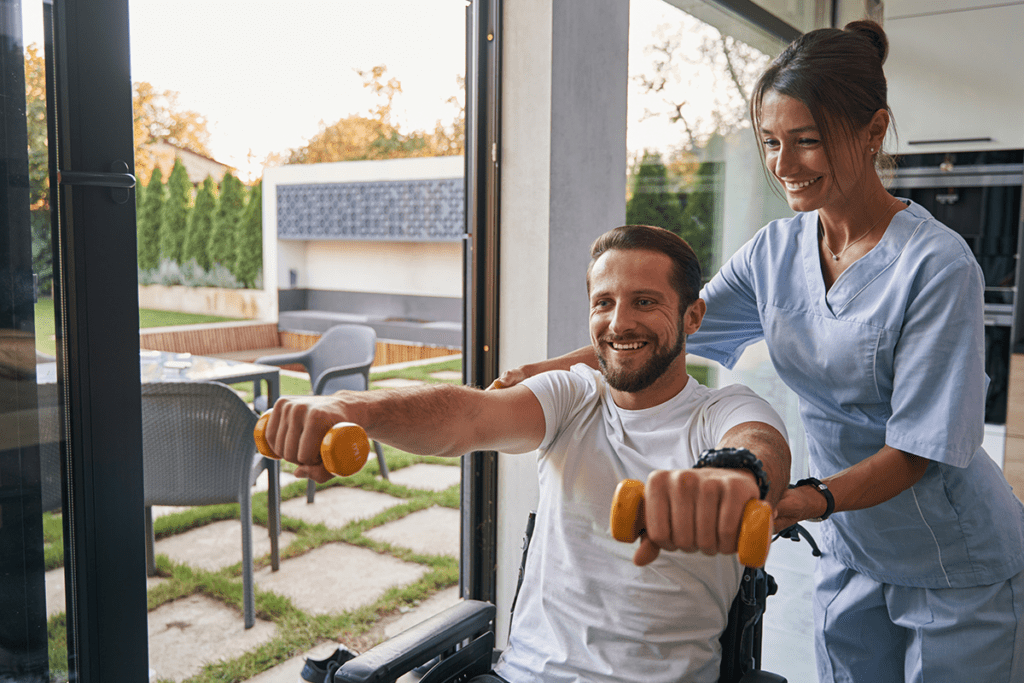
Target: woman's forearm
874 480
514 376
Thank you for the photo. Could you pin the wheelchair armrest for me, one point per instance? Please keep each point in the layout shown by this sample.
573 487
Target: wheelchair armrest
341 371
419 644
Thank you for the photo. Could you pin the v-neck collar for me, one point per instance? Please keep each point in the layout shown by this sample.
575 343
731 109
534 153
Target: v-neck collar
861 272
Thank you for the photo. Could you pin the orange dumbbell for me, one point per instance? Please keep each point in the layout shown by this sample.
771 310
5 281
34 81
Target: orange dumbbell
627 522
343 451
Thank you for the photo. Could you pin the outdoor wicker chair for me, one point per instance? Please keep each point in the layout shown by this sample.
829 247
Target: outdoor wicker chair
340 359
198 450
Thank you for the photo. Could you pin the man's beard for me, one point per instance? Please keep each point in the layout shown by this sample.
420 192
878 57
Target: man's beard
647 374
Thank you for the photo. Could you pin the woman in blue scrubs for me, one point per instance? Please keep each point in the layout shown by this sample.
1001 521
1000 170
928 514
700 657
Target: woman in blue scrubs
872 313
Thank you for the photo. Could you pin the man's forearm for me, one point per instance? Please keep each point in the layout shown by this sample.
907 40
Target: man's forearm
433 420
771 449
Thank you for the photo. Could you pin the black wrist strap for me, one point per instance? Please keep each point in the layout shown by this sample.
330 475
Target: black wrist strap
736 458
830 501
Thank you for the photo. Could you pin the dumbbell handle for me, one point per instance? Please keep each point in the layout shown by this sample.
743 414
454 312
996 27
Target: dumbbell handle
627 521
343 451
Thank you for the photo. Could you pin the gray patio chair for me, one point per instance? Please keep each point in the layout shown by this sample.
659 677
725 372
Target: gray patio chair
340 359
198 450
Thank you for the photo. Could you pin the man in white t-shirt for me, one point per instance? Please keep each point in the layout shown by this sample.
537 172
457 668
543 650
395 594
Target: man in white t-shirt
591 608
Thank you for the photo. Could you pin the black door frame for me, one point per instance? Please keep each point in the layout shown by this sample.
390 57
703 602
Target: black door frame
97 307
479 505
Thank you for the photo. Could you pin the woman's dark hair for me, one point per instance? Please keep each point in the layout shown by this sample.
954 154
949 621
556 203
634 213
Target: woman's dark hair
837 74
685 276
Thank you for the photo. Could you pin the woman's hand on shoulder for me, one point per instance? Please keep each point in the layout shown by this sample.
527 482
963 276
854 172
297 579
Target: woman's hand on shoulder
512 377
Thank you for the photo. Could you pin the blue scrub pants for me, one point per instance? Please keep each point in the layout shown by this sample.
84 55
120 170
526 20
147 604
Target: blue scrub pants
870 632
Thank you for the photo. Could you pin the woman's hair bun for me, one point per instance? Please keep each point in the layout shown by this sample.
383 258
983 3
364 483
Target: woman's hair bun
872 32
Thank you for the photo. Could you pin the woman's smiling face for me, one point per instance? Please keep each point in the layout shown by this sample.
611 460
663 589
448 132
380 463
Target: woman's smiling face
795 154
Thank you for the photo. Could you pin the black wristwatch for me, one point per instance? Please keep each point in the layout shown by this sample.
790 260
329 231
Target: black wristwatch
735 458
830 501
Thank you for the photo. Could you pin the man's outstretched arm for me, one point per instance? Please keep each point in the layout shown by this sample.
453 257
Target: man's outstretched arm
443 420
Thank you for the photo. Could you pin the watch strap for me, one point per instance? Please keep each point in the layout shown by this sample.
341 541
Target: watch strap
736 458
820 487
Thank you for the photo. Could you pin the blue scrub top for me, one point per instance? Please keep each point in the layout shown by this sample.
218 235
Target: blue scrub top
892 354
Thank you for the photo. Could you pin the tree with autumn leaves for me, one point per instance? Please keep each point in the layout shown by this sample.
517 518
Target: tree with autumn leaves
375 135
180 226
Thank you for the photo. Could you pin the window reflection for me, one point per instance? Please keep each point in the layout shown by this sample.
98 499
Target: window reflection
694 162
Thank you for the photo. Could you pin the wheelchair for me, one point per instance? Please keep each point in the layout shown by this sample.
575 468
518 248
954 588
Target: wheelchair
458 644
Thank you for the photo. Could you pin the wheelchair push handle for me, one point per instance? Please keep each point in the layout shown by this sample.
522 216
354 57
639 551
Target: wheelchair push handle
343 451
627 522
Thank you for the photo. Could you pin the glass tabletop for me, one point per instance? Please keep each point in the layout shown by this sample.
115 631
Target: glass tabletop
167 366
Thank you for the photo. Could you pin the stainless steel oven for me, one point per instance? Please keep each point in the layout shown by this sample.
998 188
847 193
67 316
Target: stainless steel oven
978 194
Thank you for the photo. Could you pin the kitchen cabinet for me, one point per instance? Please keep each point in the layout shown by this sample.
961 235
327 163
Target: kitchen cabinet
954 74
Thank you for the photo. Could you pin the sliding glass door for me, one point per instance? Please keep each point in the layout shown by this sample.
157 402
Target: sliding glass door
72 598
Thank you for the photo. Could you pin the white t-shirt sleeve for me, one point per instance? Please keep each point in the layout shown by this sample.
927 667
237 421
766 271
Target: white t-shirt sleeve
561 393
733 405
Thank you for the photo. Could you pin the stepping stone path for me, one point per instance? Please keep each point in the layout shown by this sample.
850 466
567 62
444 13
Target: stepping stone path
337 577
427 477
395 382
336 507
448 375
196 630
434 531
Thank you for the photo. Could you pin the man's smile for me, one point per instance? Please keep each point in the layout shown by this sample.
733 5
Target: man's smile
626 345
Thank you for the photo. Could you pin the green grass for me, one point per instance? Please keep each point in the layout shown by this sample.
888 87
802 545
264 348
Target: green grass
46 327
152 318
297 631
295 386
422 372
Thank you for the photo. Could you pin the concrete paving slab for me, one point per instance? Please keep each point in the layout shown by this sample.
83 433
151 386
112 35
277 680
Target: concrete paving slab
162 510
262 485
56 600
289 670
337 577
335 507
449 375
427 477
55 597
436 603
217 545
434 531
393 382
188 633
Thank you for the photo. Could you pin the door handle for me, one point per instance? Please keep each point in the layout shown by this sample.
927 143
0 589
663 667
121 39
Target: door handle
119 180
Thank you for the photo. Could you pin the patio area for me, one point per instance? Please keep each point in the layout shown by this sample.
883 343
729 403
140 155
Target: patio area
367 559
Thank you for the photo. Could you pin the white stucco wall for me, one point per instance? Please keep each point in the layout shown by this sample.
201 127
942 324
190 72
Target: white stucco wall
420 268
563 180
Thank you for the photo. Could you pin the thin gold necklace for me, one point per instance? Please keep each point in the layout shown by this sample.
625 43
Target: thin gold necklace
835 256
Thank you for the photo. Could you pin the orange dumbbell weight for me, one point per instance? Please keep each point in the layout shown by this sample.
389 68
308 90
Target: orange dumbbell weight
627 522
343 451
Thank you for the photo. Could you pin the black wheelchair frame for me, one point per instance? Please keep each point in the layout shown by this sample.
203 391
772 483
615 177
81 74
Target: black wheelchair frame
461 638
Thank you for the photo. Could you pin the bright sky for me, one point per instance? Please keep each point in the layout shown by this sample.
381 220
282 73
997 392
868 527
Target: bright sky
265 76
266 72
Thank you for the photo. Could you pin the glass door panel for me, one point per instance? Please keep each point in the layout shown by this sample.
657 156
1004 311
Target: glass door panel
276 147
696 169
33 626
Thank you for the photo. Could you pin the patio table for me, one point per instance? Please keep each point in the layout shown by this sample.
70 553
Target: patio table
165 366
